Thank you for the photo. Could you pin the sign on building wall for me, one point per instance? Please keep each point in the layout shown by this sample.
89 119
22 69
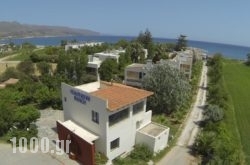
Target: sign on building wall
80 97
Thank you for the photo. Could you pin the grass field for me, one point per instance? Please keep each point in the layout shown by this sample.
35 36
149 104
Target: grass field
237 81
20 57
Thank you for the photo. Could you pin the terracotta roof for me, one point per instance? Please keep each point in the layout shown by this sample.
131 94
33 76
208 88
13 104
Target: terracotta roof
119 95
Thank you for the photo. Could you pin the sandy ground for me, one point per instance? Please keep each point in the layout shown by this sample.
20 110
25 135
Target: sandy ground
179 154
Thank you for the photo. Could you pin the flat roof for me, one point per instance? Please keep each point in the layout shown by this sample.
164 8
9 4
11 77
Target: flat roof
79 131
136 65
119 95
153 129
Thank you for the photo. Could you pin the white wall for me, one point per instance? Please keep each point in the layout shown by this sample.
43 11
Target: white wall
155 144
126 131
147 140
161 141
81 114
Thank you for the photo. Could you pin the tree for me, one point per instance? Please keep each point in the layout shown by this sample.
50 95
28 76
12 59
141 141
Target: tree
213 113
25 115
63 43
124 60
204 143
11 72
146 40
136 52
6 118
72 65
26 67
108 69
181 43
248 59
44 67
122 43
171 89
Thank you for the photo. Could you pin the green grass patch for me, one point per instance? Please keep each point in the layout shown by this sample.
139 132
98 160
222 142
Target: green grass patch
20 57
237 82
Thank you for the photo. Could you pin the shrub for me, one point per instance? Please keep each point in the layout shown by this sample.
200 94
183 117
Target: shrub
213 113
141 152
100 159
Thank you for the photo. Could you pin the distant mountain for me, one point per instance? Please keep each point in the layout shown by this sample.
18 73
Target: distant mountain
16 29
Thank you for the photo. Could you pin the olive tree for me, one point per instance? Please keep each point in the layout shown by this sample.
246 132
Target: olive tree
170 87
213 113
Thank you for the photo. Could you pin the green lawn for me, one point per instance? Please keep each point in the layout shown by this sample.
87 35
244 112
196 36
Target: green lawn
237 81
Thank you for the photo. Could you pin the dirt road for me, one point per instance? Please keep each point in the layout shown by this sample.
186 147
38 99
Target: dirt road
179 154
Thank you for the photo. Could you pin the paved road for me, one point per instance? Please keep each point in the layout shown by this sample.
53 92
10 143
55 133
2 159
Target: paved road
179 154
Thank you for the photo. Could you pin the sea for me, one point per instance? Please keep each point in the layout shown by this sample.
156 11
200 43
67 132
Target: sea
228 51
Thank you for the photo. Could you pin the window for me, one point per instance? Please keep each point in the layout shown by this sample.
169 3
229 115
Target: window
140 75
95 117
65 99
114 144
138 107
132 75
117 117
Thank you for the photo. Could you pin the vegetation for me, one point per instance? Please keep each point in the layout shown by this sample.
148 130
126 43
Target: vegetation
196 74
44 68
136 52
139 156
146 40
100 159
16 120
41 91
26 67
216 143
237 81
170 87
248 59
181 43
19 103
108 69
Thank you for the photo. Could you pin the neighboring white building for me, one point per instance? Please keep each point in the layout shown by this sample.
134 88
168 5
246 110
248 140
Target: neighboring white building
134 73
184 61
94 61
80 45
114 116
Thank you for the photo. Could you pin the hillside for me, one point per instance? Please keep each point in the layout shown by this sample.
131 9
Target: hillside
15 29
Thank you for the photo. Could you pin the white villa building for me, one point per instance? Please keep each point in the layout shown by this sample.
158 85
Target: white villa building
80 45
109 118
94 61
135 72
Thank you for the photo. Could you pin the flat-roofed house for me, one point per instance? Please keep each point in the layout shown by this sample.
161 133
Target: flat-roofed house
109 118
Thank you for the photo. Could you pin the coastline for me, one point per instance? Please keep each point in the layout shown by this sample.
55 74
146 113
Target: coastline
227 50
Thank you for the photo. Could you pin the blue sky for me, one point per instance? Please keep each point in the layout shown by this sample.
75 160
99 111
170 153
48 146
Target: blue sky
224 21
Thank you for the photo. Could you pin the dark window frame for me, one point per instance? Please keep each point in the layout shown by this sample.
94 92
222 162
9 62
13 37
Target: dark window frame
95 116
115 144
138 107
118 116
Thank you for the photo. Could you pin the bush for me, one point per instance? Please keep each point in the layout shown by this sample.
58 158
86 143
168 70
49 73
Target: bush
139 156
100 159
44 67
141 152
26 67
213 113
